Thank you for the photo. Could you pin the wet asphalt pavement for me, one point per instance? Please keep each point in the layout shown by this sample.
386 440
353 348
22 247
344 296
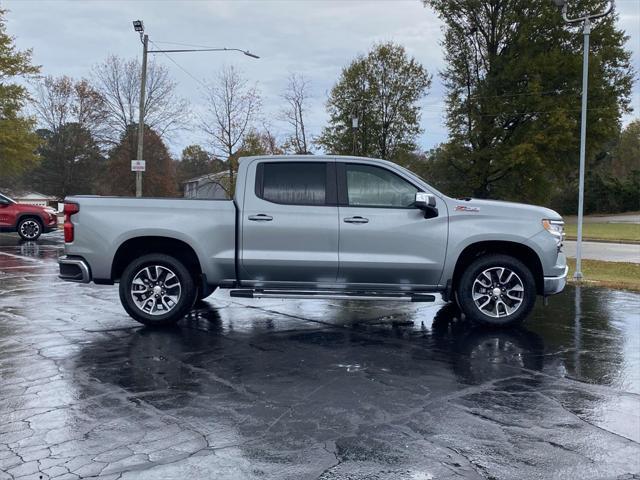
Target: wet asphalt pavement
275 389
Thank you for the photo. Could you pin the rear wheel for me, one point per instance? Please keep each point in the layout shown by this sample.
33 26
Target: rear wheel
157 290
29 228
497 290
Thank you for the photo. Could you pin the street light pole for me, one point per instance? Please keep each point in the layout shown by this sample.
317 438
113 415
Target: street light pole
138 26
586 31
143 83
354 127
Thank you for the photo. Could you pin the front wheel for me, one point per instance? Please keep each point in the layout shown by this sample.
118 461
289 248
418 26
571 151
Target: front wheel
157 290
29 228
497 290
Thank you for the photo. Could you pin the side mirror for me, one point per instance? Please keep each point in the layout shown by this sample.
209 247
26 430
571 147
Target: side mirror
427 203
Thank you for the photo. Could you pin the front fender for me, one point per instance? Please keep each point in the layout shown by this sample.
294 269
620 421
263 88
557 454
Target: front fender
466 229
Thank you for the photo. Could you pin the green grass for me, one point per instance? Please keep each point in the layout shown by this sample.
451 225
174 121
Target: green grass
608 274
625 232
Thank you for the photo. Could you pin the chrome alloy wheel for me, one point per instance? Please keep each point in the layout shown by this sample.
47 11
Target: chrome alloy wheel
156 290
498 292
30 229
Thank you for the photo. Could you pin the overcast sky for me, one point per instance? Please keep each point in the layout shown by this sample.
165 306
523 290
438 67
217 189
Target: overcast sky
314 37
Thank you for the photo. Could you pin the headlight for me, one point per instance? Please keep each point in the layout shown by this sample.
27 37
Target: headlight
555 228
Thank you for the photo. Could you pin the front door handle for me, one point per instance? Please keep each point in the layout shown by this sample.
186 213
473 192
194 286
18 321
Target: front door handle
356 220
261 217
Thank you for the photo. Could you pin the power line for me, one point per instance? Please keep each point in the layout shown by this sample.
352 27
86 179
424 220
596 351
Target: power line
180 66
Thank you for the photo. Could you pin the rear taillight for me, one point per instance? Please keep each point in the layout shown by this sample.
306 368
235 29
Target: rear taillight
69 209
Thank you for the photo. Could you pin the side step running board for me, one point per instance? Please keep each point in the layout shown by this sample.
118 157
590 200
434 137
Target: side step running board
398 297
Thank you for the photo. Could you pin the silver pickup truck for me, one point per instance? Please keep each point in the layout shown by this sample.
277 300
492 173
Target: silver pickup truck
317 227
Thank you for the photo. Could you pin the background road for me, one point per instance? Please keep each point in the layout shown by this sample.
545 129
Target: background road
608 252
617 218
272 389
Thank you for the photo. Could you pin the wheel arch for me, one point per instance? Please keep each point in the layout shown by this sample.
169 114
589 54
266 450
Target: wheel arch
517 250
137 246
25 215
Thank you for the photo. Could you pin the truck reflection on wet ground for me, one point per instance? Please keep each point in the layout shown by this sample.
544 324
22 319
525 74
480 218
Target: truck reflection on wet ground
310 389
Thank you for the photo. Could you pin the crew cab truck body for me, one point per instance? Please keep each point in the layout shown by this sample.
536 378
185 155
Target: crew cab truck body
317 227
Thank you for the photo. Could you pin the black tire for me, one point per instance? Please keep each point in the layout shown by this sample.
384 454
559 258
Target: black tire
29 228
496 312
184 299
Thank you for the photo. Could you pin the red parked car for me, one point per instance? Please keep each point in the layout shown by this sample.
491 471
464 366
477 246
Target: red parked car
30 221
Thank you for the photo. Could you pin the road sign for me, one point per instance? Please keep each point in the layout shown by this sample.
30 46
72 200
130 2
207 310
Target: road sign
138 165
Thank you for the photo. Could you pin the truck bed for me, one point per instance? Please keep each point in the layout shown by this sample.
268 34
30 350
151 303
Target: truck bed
104 224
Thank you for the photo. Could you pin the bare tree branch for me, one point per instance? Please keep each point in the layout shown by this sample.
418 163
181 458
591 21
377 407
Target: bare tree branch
296 97
232 107
118 82
61 101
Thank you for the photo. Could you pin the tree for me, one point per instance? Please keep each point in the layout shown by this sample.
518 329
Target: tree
118 82
382 90
613 184
60 101
71 162
296 97
513 80
159 179
72 115
232 107
625 158
196 161
257 142
18 141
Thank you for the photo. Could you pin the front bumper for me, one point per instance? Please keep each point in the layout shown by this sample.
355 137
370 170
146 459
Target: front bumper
553 285
74 269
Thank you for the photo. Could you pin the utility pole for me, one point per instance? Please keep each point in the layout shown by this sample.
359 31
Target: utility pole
138 26
354 127
586 31
143 83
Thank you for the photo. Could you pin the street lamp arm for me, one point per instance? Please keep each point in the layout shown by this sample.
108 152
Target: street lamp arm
593 16
246 52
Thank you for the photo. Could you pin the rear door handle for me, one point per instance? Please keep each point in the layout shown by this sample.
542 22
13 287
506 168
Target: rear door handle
356 220
261 217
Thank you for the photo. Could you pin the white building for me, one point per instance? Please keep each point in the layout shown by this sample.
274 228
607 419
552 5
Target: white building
207 186
31 198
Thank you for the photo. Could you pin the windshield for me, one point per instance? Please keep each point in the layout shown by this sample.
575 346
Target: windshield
7 198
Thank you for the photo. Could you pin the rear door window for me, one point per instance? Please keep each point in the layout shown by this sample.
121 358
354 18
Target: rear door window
292 183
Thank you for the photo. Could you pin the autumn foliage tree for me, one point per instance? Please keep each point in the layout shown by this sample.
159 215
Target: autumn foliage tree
195 161
72 114
18 141
159 180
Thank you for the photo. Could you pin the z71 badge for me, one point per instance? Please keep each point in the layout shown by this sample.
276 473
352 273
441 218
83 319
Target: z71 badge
464 208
